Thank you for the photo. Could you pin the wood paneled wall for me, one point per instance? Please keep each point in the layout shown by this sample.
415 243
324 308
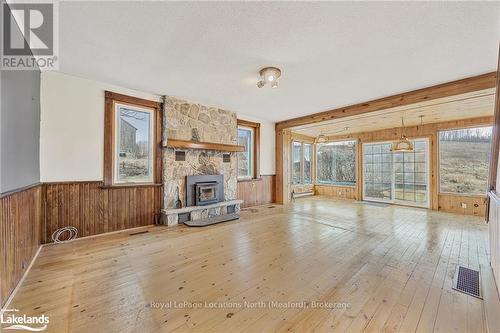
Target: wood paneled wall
494 234
95 209
444 202
20 235
283 160
257 192
302 188
345 192
449 203
475 205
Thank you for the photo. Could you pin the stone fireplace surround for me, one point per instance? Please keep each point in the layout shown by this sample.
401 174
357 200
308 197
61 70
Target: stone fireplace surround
195 122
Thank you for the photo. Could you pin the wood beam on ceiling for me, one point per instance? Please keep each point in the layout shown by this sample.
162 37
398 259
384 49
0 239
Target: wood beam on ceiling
470 84
302 137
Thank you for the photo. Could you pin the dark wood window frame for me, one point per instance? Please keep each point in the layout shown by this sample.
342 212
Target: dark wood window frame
256 148
109 134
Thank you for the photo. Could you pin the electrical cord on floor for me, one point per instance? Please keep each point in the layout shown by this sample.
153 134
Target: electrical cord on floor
73 233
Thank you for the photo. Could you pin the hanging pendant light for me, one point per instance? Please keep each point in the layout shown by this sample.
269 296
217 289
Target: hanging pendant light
322 138
403 144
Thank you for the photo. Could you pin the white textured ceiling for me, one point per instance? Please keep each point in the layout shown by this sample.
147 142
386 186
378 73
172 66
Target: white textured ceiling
331 54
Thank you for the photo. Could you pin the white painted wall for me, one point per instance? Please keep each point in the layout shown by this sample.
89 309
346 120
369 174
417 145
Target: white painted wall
72 128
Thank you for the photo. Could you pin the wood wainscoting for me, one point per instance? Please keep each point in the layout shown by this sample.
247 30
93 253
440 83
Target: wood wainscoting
257 192
20 234
494 235
452 203
392 267
475 205
335 191
94 209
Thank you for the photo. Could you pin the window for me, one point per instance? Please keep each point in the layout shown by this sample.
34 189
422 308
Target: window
296 162
307 163
464 160
132 140
301 162
336 163
245 164
248 160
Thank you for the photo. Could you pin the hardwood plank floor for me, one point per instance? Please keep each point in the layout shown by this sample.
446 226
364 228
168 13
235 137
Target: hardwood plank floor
332 264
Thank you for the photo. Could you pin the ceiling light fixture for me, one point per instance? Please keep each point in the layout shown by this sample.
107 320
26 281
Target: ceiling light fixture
403 144
322 138
269 75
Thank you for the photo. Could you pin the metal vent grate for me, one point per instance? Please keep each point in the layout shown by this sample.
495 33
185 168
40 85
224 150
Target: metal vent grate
251 210
467 281
180 156
372 203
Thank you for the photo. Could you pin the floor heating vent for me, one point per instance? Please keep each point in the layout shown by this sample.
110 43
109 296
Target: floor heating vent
251 210
466 280
376 204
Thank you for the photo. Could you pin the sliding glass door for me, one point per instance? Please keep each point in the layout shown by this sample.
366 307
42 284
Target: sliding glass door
396 177
378 176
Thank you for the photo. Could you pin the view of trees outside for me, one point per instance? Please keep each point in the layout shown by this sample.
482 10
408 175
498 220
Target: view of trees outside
336 163
245 158
297 162
464 160
135 151
307 163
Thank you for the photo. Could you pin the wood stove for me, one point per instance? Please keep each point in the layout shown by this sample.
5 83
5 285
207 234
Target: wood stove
206 193
204 189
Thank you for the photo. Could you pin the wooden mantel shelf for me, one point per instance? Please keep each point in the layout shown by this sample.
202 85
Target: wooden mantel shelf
173 143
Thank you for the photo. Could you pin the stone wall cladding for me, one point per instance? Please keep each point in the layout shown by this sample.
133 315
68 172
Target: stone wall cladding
196 122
